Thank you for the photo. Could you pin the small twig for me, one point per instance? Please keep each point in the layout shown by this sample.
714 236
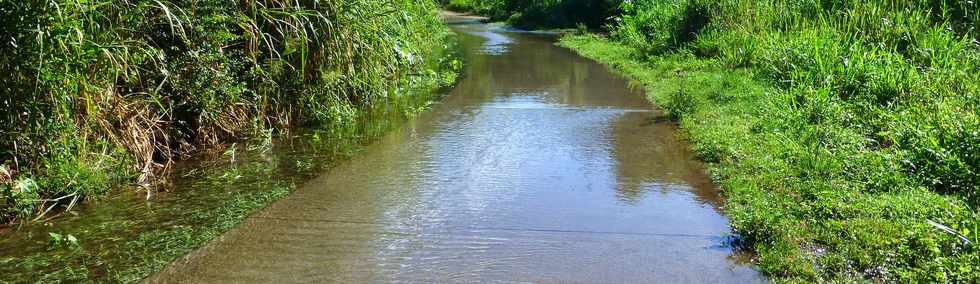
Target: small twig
56 199
72 203
44 202
149 192
950 231
39 216
16 153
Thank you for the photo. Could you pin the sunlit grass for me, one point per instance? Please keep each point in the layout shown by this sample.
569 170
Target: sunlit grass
843 134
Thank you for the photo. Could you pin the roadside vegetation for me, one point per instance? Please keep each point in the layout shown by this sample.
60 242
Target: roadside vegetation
845 134
100 93
547 14
123 238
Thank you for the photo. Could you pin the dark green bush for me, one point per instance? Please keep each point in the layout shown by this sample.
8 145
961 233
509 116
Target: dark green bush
542 14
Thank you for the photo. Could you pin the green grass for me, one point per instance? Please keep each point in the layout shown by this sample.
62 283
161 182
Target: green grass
108 92
843 133
805 191
211 196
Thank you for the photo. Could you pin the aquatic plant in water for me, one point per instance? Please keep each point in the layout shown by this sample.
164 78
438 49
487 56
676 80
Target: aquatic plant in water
99 93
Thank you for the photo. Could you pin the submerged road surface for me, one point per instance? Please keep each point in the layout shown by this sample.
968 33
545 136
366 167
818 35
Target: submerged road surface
540 166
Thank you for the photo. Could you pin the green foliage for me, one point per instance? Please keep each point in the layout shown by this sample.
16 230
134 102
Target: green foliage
541 14
58 241
495 9
895 75
101 92
19 196
838 129
213 196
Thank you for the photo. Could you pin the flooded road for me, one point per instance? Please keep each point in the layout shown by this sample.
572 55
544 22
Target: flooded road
540 166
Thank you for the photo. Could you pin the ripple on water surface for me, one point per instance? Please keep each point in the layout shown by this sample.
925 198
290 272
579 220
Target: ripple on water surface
540 166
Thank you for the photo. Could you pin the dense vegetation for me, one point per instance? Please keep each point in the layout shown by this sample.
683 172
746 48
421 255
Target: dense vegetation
592 14
96 93
844 133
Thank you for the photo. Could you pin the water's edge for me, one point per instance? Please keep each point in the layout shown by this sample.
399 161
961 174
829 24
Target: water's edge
127 235
631 188
539 166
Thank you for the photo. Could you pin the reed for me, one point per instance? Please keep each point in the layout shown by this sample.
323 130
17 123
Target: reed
102 92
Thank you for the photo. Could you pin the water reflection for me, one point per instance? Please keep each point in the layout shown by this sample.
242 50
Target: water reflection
539 166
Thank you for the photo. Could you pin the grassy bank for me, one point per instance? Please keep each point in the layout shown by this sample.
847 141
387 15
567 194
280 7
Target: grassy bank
844 134
101 93
109 94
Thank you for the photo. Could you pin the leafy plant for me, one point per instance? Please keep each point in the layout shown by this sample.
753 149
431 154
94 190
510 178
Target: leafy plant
58 241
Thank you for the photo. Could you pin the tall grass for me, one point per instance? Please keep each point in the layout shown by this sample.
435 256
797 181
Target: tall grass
101 92
857 156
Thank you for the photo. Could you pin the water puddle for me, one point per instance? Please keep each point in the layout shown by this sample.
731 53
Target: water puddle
122 237
539 166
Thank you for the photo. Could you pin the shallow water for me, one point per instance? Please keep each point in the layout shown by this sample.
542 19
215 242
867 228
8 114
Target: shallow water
539 166
126 235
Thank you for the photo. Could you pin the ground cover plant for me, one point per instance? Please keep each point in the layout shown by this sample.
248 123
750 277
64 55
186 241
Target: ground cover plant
843 133
99 93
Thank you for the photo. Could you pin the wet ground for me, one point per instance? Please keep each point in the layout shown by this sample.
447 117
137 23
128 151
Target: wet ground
539 166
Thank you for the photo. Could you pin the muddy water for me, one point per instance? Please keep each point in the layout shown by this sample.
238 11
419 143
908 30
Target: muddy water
539 166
